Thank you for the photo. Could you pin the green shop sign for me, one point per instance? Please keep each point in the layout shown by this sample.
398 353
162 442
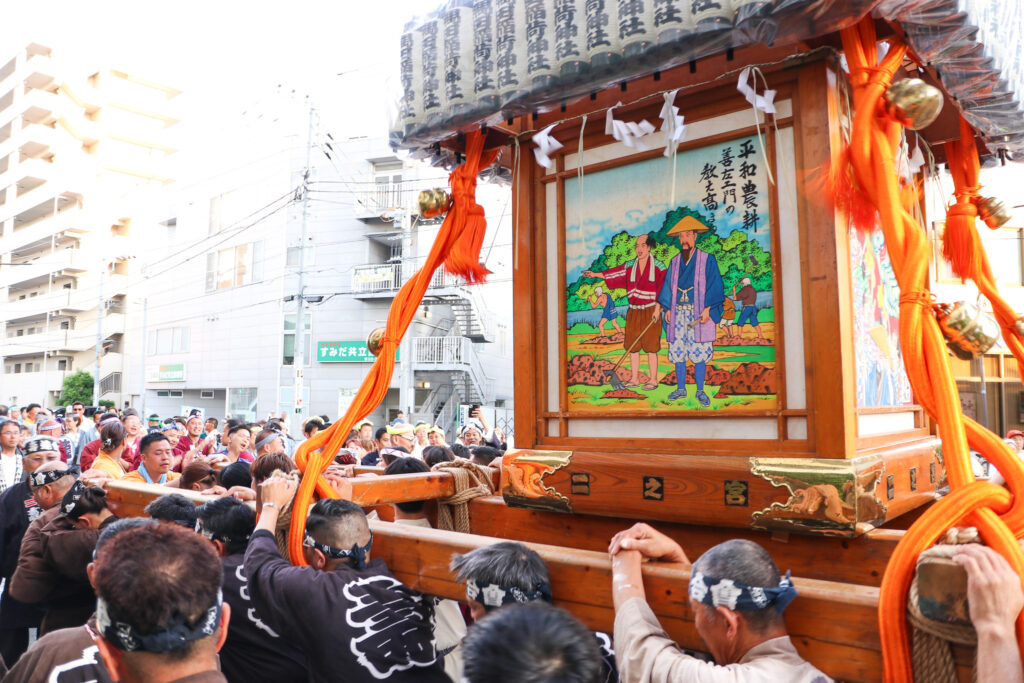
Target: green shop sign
344 352
174 372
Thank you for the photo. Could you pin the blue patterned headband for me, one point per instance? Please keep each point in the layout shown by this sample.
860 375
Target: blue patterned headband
172 636
735 596
492 595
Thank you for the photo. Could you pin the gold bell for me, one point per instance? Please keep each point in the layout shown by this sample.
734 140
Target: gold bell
913 103
376 340
435 202
993 212
968 330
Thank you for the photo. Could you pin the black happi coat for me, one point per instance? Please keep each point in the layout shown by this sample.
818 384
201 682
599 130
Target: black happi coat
18 509
357 626
253 651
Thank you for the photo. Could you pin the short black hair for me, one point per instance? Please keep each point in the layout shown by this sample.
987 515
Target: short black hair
77 403
30 406
229 521
236 474
3 410
435 454
119 525
338 523
484 455
213 420
648 240
173 507
148 440
460 451
150 575
381 431
235 428
531 643
506 563
408 466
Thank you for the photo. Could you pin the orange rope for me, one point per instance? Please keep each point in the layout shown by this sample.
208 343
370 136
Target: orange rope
998 513
463 229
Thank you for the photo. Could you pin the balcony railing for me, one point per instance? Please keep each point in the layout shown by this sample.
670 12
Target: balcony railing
389 197
386 277
452 351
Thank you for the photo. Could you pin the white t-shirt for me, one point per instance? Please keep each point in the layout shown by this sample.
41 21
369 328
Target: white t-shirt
10 468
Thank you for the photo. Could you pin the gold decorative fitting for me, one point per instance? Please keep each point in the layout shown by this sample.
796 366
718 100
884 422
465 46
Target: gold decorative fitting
1019 325
376 340
968 330
913 103
435 202
993 212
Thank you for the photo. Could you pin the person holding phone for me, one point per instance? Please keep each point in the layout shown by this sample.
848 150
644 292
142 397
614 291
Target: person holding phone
476 431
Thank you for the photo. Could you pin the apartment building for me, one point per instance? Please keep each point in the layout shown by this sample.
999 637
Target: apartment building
76 145
222 309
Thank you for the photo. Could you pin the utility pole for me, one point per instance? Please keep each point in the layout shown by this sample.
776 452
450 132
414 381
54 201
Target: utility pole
299 358
406 390
142 362
99 340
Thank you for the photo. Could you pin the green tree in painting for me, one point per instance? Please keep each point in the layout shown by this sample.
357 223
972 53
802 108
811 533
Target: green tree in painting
738 257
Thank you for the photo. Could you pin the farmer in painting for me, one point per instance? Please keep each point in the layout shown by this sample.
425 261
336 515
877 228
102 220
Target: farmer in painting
748 297
691 298
642 280
603 300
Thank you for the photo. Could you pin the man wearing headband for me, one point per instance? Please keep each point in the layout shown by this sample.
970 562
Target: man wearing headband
402 436
510 573
365 429
192 441
144 631
253 651
737 597
54 553
378 627
19 506
435 436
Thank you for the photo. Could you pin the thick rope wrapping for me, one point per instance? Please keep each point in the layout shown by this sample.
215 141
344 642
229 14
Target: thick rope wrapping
932 653
471 481
996 512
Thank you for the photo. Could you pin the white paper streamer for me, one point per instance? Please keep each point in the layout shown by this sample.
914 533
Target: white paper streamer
627 132
672 123
765 103
545 146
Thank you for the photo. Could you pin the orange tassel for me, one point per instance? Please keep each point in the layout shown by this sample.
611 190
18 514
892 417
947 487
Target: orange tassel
464 257
960 243
835 183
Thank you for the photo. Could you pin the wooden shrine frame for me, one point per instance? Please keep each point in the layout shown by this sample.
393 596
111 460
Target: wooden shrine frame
811 87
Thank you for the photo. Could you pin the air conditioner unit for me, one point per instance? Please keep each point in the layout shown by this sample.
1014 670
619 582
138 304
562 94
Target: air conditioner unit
206 394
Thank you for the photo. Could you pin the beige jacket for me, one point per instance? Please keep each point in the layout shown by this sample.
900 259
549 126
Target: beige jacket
449 626
645 653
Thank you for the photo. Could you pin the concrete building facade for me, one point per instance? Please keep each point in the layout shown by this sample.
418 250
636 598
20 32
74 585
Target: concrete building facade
221 310
75 145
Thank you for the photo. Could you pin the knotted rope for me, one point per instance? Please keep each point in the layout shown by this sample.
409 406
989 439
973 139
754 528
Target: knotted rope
998 513
471 481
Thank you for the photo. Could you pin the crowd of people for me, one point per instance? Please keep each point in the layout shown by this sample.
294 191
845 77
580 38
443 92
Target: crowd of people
206 593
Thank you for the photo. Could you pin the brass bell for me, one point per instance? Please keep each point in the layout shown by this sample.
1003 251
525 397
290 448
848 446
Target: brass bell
435 202
993 212
376 340
968 330
913 103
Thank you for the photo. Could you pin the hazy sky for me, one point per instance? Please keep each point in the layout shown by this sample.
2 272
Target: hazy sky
227 55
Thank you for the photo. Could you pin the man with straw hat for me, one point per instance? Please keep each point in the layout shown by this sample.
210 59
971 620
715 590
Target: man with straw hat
691 298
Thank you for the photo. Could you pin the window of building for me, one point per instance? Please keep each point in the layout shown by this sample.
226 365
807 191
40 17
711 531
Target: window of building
65 325
289 339
168 340
242 403
292 255
234 266
17 368
387 179
176 394
62 364
162 393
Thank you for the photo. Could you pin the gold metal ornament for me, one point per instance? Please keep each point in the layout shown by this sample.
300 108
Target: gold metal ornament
435 202
913 103
376 340
969 331
993 212
1019 324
